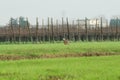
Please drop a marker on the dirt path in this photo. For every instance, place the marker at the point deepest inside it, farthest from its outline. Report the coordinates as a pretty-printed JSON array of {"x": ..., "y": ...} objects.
[{"x": 19, "y": 57}]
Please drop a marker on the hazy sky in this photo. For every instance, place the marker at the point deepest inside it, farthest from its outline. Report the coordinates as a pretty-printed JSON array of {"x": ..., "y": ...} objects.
[{"x": 57, "y": 8}]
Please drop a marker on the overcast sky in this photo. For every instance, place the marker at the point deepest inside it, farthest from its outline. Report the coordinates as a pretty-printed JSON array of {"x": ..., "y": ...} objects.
[{"x": 57, "y": 8}]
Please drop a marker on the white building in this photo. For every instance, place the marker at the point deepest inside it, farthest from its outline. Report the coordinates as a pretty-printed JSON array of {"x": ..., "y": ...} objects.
[{"x": 96, "y": 22}]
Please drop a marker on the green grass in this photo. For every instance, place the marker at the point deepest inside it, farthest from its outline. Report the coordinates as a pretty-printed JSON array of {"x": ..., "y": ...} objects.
[
  {"x": 84, "y": 68},
  {"x": 60, "y": 48}
]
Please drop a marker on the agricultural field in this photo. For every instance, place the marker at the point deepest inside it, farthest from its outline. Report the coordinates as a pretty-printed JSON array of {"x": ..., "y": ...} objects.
[
  {"x": 56, "y": 61},
  {"x": 59, "y": 49},
  {"x": 83, "y": 68}
]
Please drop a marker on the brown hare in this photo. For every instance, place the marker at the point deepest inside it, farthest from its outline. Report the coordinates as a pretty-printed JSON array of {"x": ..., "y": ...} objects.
[{"x": 65, "y": 41}]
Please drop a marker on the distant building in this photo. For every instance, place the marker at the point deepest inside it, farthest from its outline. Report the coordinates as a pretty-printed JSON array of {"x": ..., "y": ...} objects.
[
  {"x": 92, "y": 23},
  {"x": 22, "y": 22},
  {"x": 81, "y": 23},
  {"x": 13, "y": 21},
  {"x": 114, "y": 22},
  {"x": 96, "y": 22}
]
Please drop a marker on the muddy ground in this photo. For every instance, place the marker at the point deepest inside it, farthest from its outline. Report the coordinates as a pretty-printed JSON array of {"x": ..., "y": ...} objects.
[{"x": 19, "y": 57}]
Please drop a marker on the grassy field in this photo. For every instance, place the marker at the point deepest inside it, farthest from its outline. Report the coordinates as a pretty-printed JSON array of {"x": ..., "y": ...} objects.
[
  {"x": 71, "y": 68},
  {"x": 60, "y": 48},
  {"x": 83, "y": 68}
]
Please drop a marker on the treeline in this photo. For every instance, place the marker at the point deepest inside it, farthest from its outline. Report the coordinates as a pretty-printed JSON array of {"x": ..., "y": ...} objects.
[{"x": 56, "y": 30}]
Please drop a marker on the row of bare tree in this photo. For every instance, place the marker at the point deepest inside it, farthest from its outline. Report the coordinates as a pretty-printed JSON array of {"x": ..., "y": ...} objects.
[{"x": 56, "y": 31}]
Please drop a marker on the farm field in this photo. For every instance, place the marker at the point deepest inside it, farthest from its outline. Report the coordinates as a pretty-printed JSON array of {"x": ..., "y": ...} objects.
[
  {"x": 48, "y": 61},
  {"x": 82, "y": 68},
  {"x": 58, "y": 49}
]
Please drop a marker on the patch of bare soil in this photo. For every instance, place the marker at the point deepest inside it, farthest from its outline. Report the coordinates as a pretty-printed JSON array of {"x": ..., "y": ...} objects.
[
  {"x": 56, "y": 77},
  {"x": 19, "y": 57}
]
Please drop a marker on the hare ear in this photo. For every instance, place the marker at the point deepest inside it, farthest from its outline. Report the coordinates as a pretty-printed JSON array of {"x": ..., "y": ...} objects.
[{"x": 63, "y": 38}]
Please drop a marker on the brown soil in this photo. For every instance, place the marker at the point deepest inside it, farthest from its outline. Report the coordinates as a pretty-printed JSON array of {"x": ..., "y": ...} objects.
[
  {"x": 19, "y": 57},
  {"x": 56, "y": 77}
]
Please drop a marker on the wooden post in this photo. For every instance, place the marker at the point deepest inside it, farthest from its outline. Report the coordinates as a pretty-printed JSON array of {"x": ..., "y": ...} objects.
[
  {"x": 68, "y": 30},
  {"x": 6, "y": 34},
  {"x": 12, "y": 31},
  {"x": 37, "y": 24},
  {"x": 46, "y": 33},
  {"x": 43, "y": 30},
  {"x": 73, "y": 30},
  {"x": 86, "y": 29},
  {"x": 117, "y": 28},
  {"x": 29, "y": 31},
  {"x": 19, "y": 33},
  {"x": 112, "y": 31},
  {"x": 58, "y": 32},
  {"x": 96, "y": 26},
  {"x": 101, "y": 28},
  {"x": 108, "y": 30},
  {"x": 48, "y": 30},
  {"x": 63, "y": 27},
  {"x": 52, "y": 26},
  {"x": 78, "y": 30}
]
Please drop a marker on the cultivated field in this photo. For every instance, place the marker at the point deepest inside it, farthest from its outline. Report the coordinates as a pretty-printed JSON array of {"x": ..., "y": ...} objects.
[
  {"x": 57, "y": 61},
  {"x": 58, "y": 49},
  {"x": 84, "y": 68}
]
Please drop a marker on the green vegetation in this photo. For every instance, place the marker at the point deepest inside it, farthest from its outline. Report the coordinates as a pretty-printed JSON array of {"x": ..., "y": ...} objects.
[
  {"x": 84, "y": 68},
  {"x": 60, "y": 48}
]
